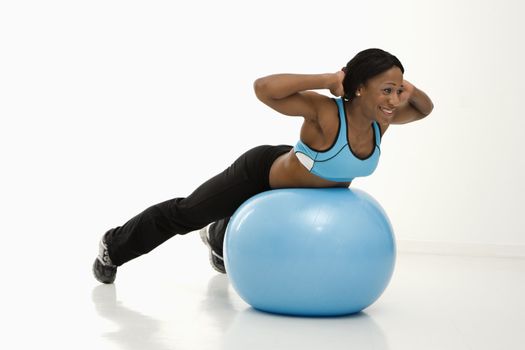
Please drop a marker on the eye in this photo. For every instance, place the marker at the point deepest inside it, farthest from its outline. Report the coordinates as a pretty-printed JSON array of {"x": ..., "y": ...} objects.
[
  {"x": 399, "y": 92},
  {"x": 387, "y": 90}
]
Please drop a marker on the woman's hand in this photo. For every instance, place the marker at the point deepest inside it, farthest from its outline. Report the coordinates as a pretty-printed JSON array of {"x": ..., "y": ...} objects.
[
  {"x": 408, "y": 90},
  {"x": 414, "y": 105},
  {"x": 336, "y": 88}
]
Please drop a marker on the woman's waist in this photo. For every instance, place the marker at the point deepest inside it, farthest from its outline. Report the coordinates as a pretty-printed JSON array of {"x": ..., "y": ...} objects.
[{"x": 287, "y": 171}]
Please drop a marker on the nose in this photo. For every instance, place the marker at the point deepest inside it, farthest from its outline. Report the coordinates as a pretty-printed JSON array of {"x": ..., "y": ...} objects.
[{"x": 393, "y": 100}]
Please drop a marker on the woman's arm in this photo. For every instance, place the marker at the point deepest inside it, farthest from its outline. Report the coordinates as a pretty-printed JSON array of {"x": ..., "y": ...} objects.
[
  {"x": 417, "y": 105},
  {"x": 291, "y": 94}
]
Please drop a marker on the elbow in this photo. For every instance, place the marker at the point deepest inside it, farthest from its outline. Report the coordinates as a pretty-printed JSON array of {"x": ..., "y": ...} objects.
[
  {"x": 429, "y": 109},
  {"x": 426, "y": 109},
  {"x": 260, "y": 87}
]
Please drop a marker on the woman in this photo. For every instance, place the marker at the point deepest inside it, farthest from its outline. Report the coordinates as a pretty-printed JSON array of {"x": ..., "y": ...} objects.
[{"x": 340, "y": 140}]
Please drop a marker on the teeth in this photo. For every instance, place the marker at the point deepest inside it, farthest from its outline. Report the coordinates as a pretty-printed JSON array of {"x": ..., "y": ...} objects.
[{"x": 388, "y": 111}]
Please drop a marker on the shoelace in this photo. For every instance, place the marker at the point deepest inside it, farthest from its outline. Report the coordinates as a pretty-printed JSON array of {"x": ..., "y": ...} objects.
[{"x": 103, "y": 254}]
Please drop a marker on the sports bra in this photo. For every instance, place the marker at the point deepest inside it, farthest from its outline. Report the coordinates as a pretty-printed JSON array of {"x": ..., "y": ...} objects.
[{"x": 339, "y": 163}]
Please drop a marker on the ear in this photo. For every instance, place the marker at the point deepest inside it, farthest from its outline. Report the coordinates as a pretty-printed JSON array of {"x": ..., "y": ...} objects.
[{"x": 359, "y": 90}]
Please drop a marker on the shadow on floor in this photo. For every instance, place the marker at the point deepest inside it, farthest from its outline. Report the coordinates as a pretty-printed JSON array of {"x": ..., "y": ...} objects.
[{"x": 244, "y": 329}]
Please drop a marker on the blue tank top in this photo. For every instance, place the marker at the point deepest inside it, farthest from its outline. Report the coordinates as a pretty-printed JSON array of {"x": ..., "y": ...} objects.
[{"x": 339, "y": 163}]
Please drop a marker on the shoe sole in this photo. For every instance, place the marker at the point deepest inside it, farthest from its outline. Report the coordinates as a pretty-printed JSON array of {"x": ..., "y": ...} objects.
[{"x": 94, "y": 270}]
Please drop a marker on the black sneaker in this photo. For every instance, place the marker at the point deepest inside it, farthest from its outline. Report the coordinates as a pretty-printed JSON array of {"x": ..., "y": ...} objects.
[
  {"x": 103, "y": 268},
  {"x": 216, "y": 261}
]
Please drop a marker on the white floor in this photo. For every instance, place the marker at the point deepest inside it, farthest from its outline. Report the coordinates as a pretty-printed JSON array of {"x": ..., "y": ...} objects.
[{"x": 172, "y": 299}]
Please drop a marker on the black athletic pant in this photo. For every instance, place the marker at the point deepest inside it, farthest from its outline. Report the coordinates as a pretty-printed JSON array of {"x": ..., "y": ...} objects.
[{"x": 215, "y": 200}]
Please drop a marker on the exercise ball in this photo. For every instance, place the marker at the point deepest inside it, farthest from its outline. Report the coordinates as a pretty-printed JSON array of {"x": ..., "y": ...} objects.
[{"x": 310, "y": 252}]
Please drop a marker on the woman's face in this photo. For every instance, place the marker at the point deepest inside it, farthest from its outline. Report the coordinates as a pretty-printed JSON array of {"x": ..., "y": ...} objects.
[{"x": 381, "y": 95}]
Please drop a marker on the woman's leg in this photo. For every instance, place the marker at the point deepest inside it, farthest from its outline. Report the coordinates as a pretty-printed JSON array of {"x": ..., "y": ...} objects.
[
  {"x": 215, "y": 199},
  {"x": 260, "y": 166}
]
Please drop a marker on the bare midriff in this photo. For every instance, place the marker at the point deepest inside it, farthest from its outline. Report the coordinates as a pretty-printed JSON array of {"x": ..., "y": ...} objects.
[{"x": 287, "y": 171}]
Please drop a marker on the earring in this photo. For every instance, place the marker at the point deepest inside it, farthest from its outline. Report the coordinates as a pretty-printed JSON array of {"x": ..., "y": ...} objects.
[{"x": 358, "y": 94}]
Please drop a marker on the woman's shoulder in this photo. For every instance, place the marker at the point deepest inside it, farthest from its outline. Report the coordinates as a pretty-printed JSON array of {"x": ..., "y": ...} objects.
[
  {"x": 321, "y": 100},
  {"x": 328, "y": 122},
  {"x": 328, "y": 110}
]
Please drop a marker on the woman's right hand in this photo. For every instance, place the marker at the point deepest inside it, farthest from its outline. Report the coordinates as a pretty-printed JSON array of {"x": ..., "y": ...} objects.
[{"x": 336, "y": 88}]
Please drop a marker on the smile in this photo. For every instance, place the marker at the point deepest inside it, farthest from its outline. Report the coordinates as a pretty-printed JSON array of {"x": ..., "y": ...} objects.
[{"x": 388, "y": 112}]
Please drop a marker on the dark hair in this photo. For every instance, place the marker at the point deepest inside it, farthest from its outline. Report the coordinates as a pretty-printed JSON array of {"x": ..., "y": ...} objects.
[{"x": 365, "y": 65}]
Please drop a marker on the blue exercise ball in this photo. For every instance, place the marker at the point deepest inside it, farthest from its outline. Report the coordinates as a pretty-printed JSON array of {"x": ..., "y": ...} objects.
[{"x": 310, "y": 252}]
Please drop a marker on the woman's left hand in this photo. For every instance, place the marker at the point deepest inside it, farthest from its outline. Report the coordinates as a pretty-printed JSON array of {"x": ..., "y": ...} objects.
[{"x": 408, "y": 90}]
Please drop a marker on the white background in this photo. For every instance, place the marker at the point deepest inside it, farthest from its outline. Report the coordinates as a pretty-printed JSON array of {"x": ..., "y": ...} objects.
[{"x": 108, "y": 107}]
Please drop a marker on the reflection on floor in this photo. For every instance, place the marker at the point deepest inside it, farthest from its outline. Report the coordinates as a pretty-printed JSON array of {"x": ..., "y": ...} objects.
[{"x": 172, "y": 299}]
